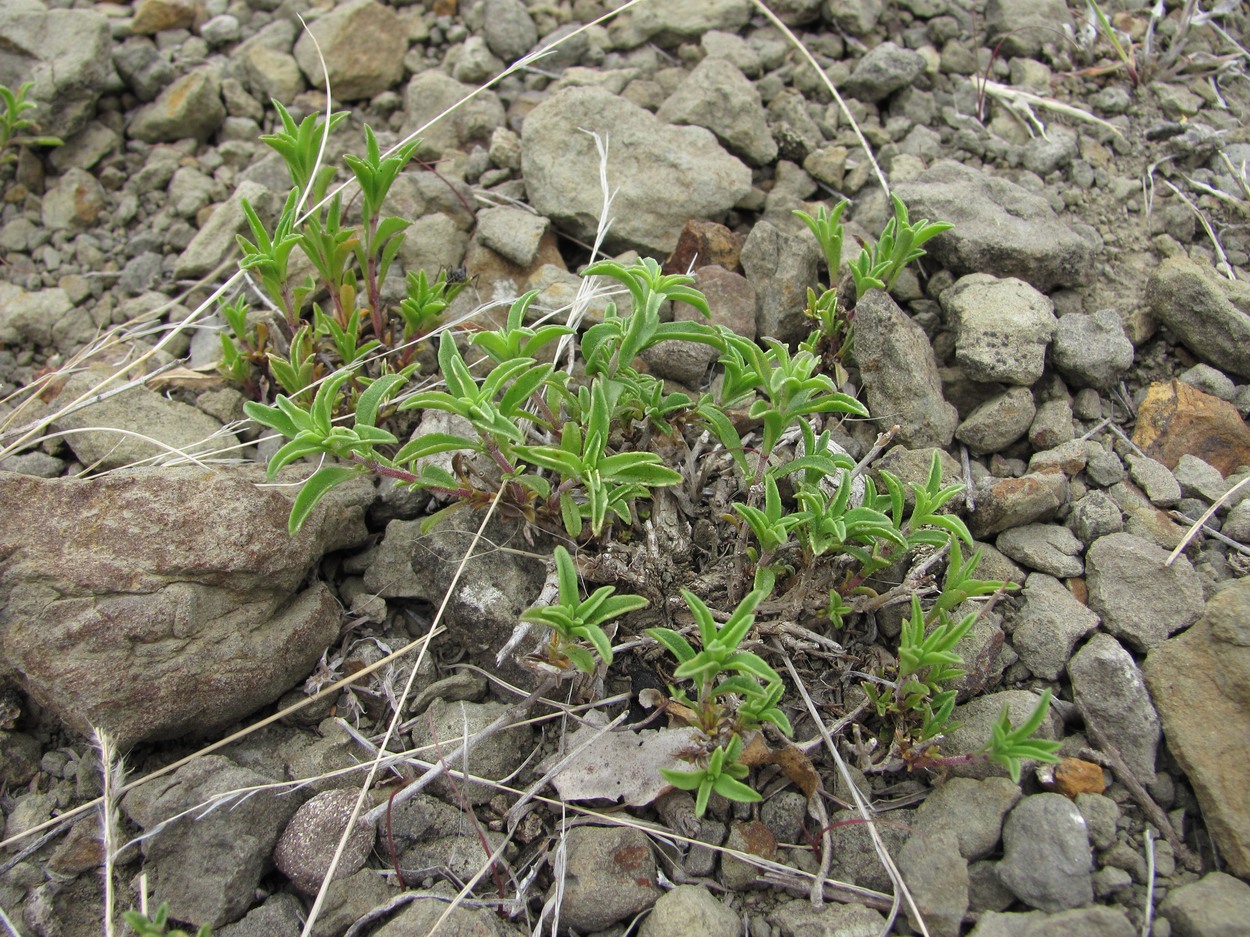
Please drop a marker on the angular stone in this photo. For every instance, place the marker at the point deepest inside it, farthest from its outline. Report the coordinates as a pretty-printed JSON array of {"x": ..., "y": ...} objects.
[
  {"x": 780, "y": 268},
  {"x": 900, "y": 374},
  {"x": 1002, "y": 328},
  {"x": 998, "y": 422},
  {"x": 1000, "y": 228},
  {"x": 1200, "y": 684},
  {"x": 363, "y": 44},
  {"x": 158, "y": 603},
  {"x": 67, "y": 54},
  {"x": 1109, "y": 688},
  {"x": 1216, "y": 906},
  {"x": 1047, "y": 861},
  {"x": 1140, "y": 598},
  {"x": 190, "y": 107},
  {"x": 663, "y": 175},
  {"x": 207, "y": 865},
  {"x": 1208, "y": 312},
  {"x": 1002, "y": 503},
  {"x": 1048, "y": 626},
  {"x": 716, "y": 95},
  {"x": 669, "y": 24}
]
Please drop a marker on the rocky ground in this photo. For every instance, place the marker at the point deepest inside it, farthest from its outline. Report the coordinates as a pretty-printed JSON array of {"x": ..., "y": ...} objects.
[{"x": 1077, "y": 348}]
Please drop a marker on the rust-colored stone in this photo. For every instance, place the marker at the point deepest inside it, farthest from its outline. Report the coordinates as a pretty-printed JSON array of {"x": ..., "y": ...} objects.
[
  {"x": 1176, "y": 418},
  {"x": 702, "y": 243},
  {"x": 1074, "y": 776}
]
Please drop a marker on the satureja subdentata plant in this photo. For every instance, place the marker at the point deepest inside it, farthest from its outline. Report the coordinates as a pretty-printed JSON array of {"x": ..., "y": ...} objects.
[{"x": 572, "y": 451}]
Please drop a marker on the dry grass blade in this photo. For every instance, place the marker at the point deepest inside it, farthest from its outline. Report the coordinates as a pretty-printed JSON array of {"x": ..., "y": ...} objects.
[
  {"x": 1206, "y": 516},
  {"x": 1015, "y": 97},
  {"x": 112, "y": 776}
]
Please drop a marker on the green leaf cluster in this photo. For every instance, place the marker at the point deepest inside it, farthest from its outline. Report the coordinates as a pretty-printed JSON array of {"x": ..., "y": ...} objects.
[
  {"x": 158, "y": 924},
  {"x": 12, "y": 123},
  {"x": 735, "y": 692},
  {"x": 574, "y": 623}
]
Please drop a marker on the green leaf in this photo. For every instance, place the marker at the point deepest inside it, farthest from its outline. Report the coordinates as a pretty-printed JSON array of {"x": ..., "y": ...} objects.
[
  {"x": 727, "y": 787},
  {"x": 676, "y": 645},
  {"x": 314, "y": 490},
  {"x": 431, "y": 443},
  {"x": 367, "y": 403}
]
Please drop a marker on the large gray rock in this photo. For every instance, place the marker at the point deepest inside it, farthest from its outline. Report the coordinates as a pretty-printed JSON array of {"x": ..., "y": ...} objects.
[
  {"x": 691, "y": 909},
  {"x": 1002, "y": 328},
  {"x": 663, "y": 175},
  {"x": 885, "y": 69},
  {"x": 66, "y": 53},
  {"x": 1000, "y": 228},
  {"x": 716, "y": 95},
  {"x": 190, "y": 107},
  {"x": 610, "y": 877},
  {"x": 1209, "y": 313},
  {"x": 1110, "y": 689},
  {"x": 363, "y": 44},
  {"x": 998, "y": 422},
  {"x": 509, "y": 29},
  {"x": 208, "y": 865},
  {"x": 1047, "y": 861},
  {"x": 1216, "y": 906},
  {"x": 1141, "y": 599},
  {"x": 900, "y": 374},
  {"x": 1098, "y": 921},
  {"x": 1022, "y": 26},
  {"x": 1200, "y": 684},
  {"x": 972, "y": 810},
  {"x": 423, "y": 917},
  {"x": 158, "y": 603},
  {"x": 937, "y": 876}
]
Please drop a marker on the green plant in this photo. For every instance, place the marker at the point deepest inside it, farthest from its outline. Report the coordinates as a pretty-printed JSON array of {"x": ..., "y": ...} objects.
[
  {"x": 877, "y": 267},
  {"x": 158, "y": 924},
  {"x": 1009, "y": 746},
  {"x": 578, "y": 453},
  {"x": 573, "y": 622},
  {"x": 12, "y": 123},
  {"x": 736, "y": 692}
]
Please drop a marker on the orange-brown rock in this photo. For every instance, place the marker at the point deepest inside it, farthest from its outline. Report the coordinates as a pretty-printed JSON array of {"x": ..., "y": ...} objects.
[
  {"x": 1074, "y": 776},
  {"x": 1176, "y": 418},
  {"x": 702, "y": 243}
]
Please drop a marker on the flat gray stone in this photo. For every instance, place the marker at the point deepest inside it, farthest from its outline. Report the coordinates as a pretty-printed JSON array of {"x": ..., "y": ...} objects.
[
  {"x": 1048, "y": 548},
  {"x": 663, "y": 175},
  {"x": 1140, "y": 599},
  {"x": 1000, "y": 228}
]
